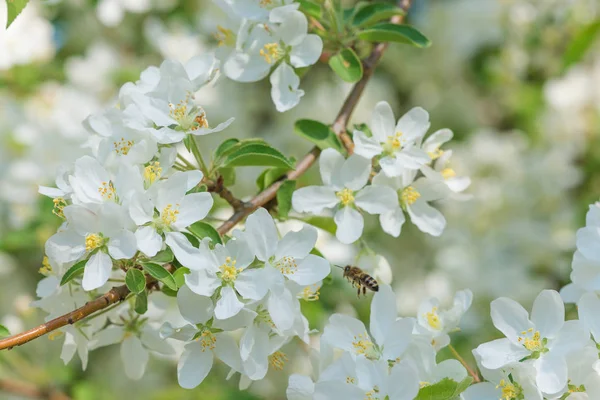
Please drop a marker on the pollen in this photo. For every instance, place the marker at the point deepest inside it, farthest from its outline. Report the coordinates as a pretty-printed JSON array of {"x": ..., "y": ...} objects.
[
  {"x": 395, "y": 142},
  {"x": 310, "y": 293},
  {"x": 409, "y": 195},
  {"x": 59, "y": 206},
  {"x": 362, "y": 344},
  {"x": 346, "y": 196},
  {"x": 278, "y": 360},
  {"x": 224, "y": 37},
  {"x": 93, "y": 241},
  {"x": 107, "y": 191},
  {"x": 435, "y": 154},
  {"x": 229, "y": 272},
  {"x": 207, "y": 340},
  {"x": 152, "y": 172},
  {"x": 169, "y": 214},
  {"x": 509, "y": 391},
  {"x": 123, "y": 146},
  {"x": 448, "y": 173},
  {"x": 46, "y": 268},
  {"x": 350, "y": 380},
  {"x": 200, "y": 121},
  {"x": 287, "y": 265},
  {"x": 531, "y": 340},
  {"x": 433, "y": 319},
  {"x": 372, "y": 394},
  {"x": 271, "y": 52}
]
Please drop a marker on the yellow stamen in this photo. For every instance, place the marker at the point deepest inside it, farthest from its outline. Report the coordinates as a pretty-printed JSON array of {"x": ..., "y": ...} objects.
[
  {"x": 448, "y": 173},
  {"x": 509, "y": 391},
  {"x": 435, "y": 154},
  {"x": 395, "y": 142},
  {"x": 229, "y": 272},
  {"x": 207, "y": 340},
  {"x": 409, "y": 195},
  {"x": 178, "y": 112},
  {"x": 271, "y": 52},
  {"x": 310, "y": 293},
  {"x": 372, "y": 394},
  {"x": 123, "y": 146},
  {"x": 107, "y": 190},
  {"x": 346, "y": 196},
  {"x": 59, "y": 206},
  {"x": 278, "y": 360},
  {"x": 46, "y": 267},
  {"x": 200, "y": 122},
  {"x": 362, "y": 344},
  {"x": 93, "y": 241},
  {"x": 169, "y": 214},
  {"x": 433, "y": 319},
  {"x": 287, "y": 265},
  {"x": 224, "y": 36},
  {"x": 531, "y": 340},
  {"x": 152, "y": 172},
  {"x": 350, "y": 380}
]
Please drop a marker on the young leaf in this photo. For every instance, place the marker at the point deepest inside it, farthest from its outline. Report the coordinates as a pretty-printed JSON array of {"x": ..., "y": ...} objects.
[
  {"x": 4, "y": 331},
  {"x": 325, "y": 223},
  {"x": 135, "y": 280},
  {"x": 375, "y": 12},
  {"x": 269, "y": 176},
  {"x": 388, "y": 32},
  {"x": 179, "y": 276},
  {"x": 347, "y": 65},
  {"x": 164, "y": 256},
  {"x": 228, "y": 175},
  {"x": 73, "y": 272},
  {"x": 256, "y": 154},
  {"x": 202, "y": 229},
  {"x": 446, "y": 389},
  {"x": 311, "y": 8},
  {"x": 284, "y": 198},
  {"x": 14, "y": 8},
  {"x": 169, "y": 292},
  {"x": 582, "y": 41},
  {"x": 318, "y": 133},
  {"x": 226, "y": 145},
  {"x": 160, "y": 274},
  {"x": 141, "y": 303}
]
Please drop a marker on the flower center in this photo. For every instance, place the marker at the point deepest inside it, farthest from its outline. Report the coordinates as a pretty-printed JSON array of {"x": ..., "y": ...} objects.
[
  {"x": 409, "y": 195},
  {"x": 350, "y": 380},
  {"x": 310, "y": 293},
  {"x": 271, "y": 52},
  {"x": 207, "y": 340},
  {"x": 107, "y": 191},
  {"x": 264, "y": 316},
  {"x": 224, "y": 37},
  {"x": 372, "y": 394},
  {"x": 169, "y": 214},
  {"x": 448, "y": 173},
  {"x": 531, "y": 340},
  {"x": 287, "y": 265},
  {"x": 152, "y": 172},
  {"x": 395, "y": 142},
  {"x": 200, "y": 121},
  {"x": 362, "y": 344},
  {"x": 123, "y": 146},
  {"x": 46, "y": 267},
  {"x": 228, "y": 270},
  {"x": 433, "y": 319},
  {"x": 59, "y": 206},
  {"x": 278, "y": 360},
  {"x": 93, "y": 241},
  {"x": 435, "y": 154},
  {"x": 346, "y": 196},
  {"x": 509, "y": 391},
  {"x": 178, "y": 112}
]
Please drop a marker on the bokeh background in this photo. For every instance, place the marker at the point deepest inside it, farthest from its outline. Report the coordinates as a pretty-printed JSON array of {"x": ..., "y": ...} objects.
[{"x": 517, "y": 81}]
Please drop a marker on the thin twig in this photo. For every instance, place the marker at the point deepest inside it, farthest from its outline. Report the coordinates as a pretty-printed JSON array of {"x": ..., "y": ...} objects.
[
  {"x": 339, "y": 127},
  {"x": 219, "y": 188},
  {"x": 473, "y": 373},
  {"x": 24, "y": 389}
]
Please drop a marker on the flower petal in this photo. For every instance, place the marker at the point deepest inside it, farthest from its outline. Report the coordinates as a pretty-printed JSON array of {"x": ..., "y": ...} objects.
[
  {"x": 376, "y": 199},
  {"x": 383, "y": 313},
  {"x": 97, "y": 271},
  {"x": 310, "y": 270},
  {"x": 392, "y": 221},
  {"x": 355, "y": 172},
  {"x": 193, "y": 208},
  {"x": 314, "y": 199},
  {"x": 306, "y": 53},
  {"x": 551, "y": 373},
  {"x": 134, "y": 357},
  {"x": 228, "y": 305},
  {"x": 498, "y": 353},
  {"x": 403, "y": 382},
  {"x": 122, "y": 245},
  {"x": 341, "y": 332},
  {"x": 297, "y": 244},
  {"x": 194, "y": 365},
  {"x": 367, "y": 147},
  {"x": 284, "y": 88},
  {"x": 330, "y": 165},
  {"x": 194, "y": 308},
  {"x": 202, "y": 282},
  {"x": 350, "y": 225},
  {"x": 548, "y": 313},
  {"x": 261, "y": 234},
  {"x": 148, "y": 240},
  {"x": 426, "y": 218},
  {"x": 382, "y": 121},
  {"x": 510, "y": 318},
  {"x": 414, "y": 123}
]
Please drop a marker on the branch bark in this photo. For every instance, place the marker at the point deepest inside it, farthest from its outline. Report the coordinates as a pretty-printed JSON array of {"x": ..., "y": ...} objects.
[
  {"x": 243, "y": 210},
  {"x": 24, "y": 389}
]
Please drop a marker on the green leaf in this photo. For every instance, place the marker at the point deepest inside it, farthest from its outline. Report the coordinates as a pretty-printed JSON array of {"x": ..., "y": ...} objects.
[
  {"x": 581, "y": 43},
  {"x": 160, "y": 274},
  {"x": 325, "y": 223},
  {"x": 135, "y": 280},
  {"x": 284, "y": 198},
  {"x": 223, "y": 147},
  {"x": 316, "y": 252},
  {"x": 387, "y": 32},
  {"x": 318, "y": 133},
  {"x": 164, "y": 256},
  {"x": 192, "y": 239},
  {"x": 269, "y": 176},
  {"x": 179, "y": 276},
  {"x": 141, "y": 303},
  {"x": 375, "y": 12},
  {"x": 228, "y": 175},
  {"x": 311, "y": 8},
  {"x": 446, "y": 389},
  {"x": 73, "y": 272},
  {"x": 202, "y": 229},
  {"x": 255, "y": 154},
  {"x": 14, "y": 8},
  {"x": 169, "y": 292},
  {"x": 347, "y": 65},
  {"x": 4, "y": 331}
]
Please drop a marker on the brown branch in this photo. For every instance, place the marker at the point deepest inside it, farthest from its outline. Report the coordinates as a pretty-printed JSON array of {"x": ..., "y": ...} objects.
[
  {"x": 24, "y": 389},
  {"x": 339, "y": 127},
  {"x": 219, "y": 188}
]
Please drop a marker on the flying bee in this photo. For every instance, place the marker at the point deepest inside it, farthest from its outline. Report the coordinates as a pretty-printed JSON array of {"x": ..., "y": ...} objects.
[{"x": 360, "y": 279}]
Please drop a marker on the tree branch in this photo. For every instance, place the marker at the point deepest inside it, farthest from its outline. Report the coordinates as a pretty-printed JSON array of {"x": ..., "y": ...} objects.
[
  {"x": 219, "y": 188},
  {"x": 339, "y": 127},
  {"x": 24, "y": 389}
]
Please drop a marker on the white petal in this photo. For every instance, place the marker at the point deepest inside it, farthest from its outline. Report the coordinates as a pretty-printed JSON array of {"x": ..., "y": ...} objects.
[
  {"x": 228, "y": 351},
  {"x": 377, "y": 199},
  {"x": 228, "y": 305},
  {"x": 350, "y": 225},
  {"x": 306, "y": 53},
  {"x": 261, "y": 234},
  {"x": 330, "y": 166},
  {"x": 148, "y": 240},
  {"x": 571, "y": 338},
  {"x": 193, "y": 208},
  {"x": 510, "y": 318},
  {"x": 300, "y": 387},
  {"x": 311, "y": 270},
  {"x": 250, "y": 284},
  {"x": 367, "y": 147},
  {"x": 382, "y": 121},
  {"x": 152, "y": 341},
  {"x": 134, "y": 357},
  {"x": 587, "y": 242},
  {"x": 97, "y": 271},
  {"x": 403, "y": 382},
  {"x": 551, "y": 373},
  {"x": 194, "y": 365},
  {"x": 397, "y": 338},
  {"x": 293, "y": 28},
  {"x": 297, "y": 244},
  {"x": 414, "y": 123},
  {"x": 450, "y": 368},
  {"x": 498, "y": 353},
  {"x": 482, "y": 391},
  {"x": 141, "y": 208},
  {"x": 341, "y": 331},
  {"x": 281, "y": 309},
  {"x": 242, "y": 67},
  {"x": 202, "y": 282},
  {"x": 106, "y": 337},
  {"x": 588, "y": 307},
  {"x": 548, "y": 313},
  {"x": 436, "y": 139},
  {"x": 123, "y": 245},
  {"x": 188, "y": 255},
  {"x": 314, "y": 199},
  {"x": 428, "y": 219},
  {"x": 392, "y": 221},
  {"x": 254, "y": 351},
  {"x": 355, "y": 172},
  {"x": 65, "y": 247},
  {"x": 194, "y": 308},
  {"x": 337, "y": 390},
  {"x": 383, "y": 313},
  {"x": 284, "y": 88}
]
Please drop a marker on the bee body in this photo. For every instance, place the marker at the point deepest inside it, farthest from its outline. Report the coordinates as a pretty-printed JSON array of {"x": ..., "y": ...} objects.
[{"x": 360, "y": 279}]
